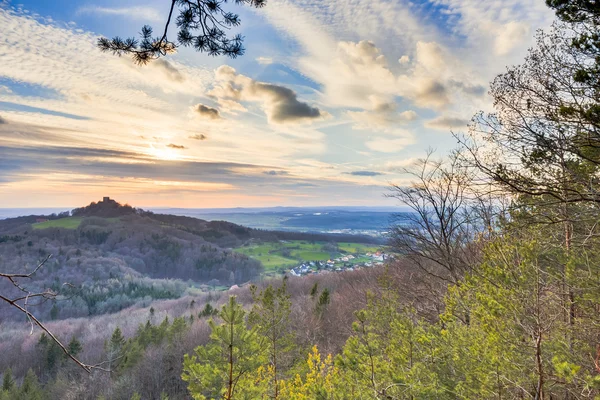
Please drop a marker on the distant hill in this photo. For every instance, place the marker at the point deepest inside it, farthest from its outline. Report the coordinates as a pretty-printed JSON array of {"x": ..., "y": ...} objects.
[
  {"x": 106, "y": 208},
  {"x": 115, "y": 255}
]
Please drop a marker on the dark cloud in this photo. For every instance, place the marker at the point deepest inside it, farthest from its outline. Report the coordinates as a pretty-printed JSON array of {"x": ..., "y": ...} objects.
[
  {"x": 473, "y": 90},
  {"x": 7, "y": 105},
  {"x": 168, "y": 69},
  {"x": 275, "y": 173},
  {"x": 363, "y": 173},
  {"x": 445, "y": 123},
  {"x": 284, "y": 104},
  {"x": 176, "y": 146},
  {"x": 207, "y": 112},
  {"x": 24, "y": 161},
  {"x": 433, "y": 93},
  {"x": 199, "y": 136},
  {"x": 280, "y": 103},
  {"x": 2, "y": 120}
]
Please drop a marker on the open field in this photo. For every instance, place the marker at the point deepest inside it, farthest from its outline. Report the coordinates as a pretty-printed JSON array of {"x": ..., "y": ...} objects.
[
  {"x": 67, "y": 223},
  {"x": 357, "y": 248},
  {"x": 277, "y": 255}
]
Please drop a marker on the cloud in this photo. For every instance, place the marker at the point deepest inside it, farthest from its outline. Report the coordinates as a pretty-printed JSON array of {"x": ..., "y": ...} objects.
[
  {"x": 404, "y": 59},
  {"x": 114, "y": 163},
  {"x": 431, "y": 93},
  {"x": 510, "y": 36},
  {"x": 364, "y": 173},
  {"x": 281, "y": 104},
  {"x": 264, "y": 60},
  {"x": 357, "y": 72},
  {"x": 385, "y": 145},
  {"x": 468, "y": 88},
  {"x": 206, "y": 111},
  {"x": 198, "y": 136},
  {"x": 137, "y": 13},
  {"x": 169, "y": 71},
  {"x": 176, "y": 146},
  {"x": 2, "y": 120},
  {"x": 381, "y": 116},
  {"x": 400, "y": 165},
  {"x": 447, "y": 122},
  {"x": 231, "y": 107},
  {"x": 275, "y": 173}
]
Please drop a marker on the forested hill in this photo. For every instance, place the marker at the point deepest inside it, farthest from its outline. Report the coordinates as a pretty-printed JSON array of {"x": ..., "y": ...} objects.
[{"x": 113, "y": 256}]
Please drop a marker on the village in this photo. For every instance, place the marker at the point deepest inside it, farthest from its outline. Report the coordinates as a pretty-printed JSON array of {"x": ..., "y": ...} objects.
[{"x": 340, "y": 264}]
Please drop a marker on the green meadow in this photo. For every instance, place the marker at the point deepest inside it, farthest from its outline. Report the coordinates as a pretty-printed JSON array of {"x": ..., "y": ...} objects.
[
  {"x": 67, "y": 223},
  {"x": 276, "y": 256}
]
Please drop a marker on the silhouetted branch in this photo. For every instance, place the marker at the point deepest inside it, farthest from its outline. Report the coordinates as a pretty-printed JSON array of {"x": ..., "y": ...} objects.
[
  {"x": 206, "y": 17},
  {"x": 33, "y": 320}
]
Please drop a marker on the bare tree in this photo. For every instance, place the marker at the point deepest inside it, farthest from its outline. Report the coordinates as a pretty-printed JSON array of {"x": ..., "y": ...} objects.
[
  {"x": 202, "y": 25},
  {"x": 448, "y": 220}
]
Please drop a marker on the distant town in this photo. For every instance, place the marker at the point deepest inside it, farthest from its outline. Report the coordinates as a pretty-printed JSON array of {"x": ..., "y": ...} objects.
[{"x": 344, "y": 263}]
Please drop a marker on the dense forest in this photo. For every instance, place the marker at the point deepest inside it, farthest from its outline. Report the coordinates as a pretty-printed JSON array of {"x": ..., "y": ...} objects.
[{"x": 494, "y": 293}]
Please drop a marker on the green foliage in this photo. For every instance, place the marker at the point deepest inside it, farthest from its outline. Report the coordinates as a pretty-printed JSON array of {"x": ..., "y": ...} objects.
[
  {"x": 208, "y": 311},
  {"x": 53, "y": 357},
  {"x": 221, "y": 368},
  {"x": 65, "y": 223},
  {"x": 30, "y": 389},
  {"x": 392, "y": 353},
  {"x": 8, "y": 382},
  {"x": 74, "y": 347},
  {"x": 270, "y": 315},
  {"x": 323, "y": 301}
]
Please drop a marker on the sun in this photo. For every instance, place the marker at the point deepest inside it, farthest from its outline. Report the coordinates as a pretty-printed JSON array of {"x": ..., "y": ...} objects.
[{"x": 164, "y": 153}]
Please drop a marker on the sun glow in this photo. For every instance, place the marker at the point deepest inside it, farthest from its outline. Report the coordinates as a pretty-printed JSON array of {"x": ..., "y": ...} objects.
[{"x": 164, "y": 153}]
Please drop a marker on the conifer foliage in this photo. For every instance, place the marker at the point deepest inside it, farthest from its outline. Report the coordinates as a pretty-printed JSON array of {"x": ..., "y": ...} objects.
[{"x": 202, "y": 25}]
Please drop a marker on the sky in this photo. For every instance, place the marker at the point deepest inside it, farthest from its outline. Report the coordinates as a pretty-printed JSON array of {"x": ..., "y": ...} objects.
[{"x": 332, "y": 100}]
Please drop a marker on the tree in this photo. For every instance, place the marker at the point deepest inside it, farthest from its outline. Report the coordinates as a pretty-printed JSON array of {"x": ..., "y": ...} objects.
[
  {"x": 74, "y": 346},
  {"x": 30, "y": 389},
  {"x": 318, "y": 382},
  {"x": 583, "y": 19},
  {"x": 576, "y": 10},
  {"x": 202, "y": 25},
  {"x": 220, "y": 369},
  {"x": 391, "y": 355},
  {"x": 8, "y": 382},
  {"x": 543, "y": 140},
  {"x": 271, "y": 316},
  {"x": 448, "y": 217},
  {"x": 542, "y": 145},
  {"x": 115, "y": 350}
]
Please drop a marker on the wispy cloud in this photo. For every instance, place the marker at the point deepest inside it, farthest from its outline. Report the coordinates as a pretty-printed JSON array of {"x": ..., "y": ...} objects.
[
  {"x": 351, "y": 103},
  {"x": 136, "y": 13},
  {"x": 444, "y": 122},
  {"x": 364, "y": 173}
]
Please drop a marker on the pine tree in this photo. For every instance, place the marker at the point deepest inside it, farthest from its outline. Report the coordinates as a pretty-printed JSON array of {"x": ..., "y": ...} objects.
[
  {"x": 115, "y": 349},
  {"x": 319, "y": 382},
  {"x": 8, "y": 382},
  {"x": 221, "y": 368},
  {"x": 74, "y": 347},
  {"x": 30, "y": 389},
  {"x": 271, "y": 316}
]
